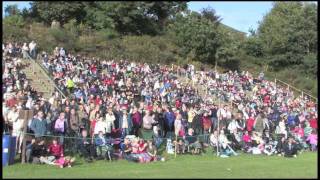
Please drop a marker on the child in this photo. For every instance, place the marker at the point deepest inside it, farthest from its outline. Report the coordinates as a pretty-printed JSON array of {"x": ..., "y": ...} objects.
[
  {"x": 152, "y": 151},
  {"x": 100, "y": 142},
  {"x": 64, "y": 161},
  {"x": 246, "y": 138},
  {"x": 180, "y": 147},
  {"x": 144, "y": 156},
  {"x": 313, "y": 140}
]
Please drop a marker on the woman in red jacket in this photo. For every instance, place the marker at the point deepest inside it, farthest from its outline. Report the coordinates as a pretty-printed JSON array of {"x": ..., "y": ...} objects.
[
  {"x": 313, "y": 122},
  {"x": 206, "y": 123},
  {"x": 55, "y": 149},
  {"x": 250, "y": 123}
]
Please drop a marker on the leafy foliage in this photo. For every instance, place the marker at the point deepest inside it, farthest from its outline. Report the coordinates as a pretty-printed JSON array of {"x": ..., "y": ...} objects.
[
  {"x": 11, "y": 10},
  {"x": 61, "y": 11},
  {"x": 286, "y": 34},
  {"x": 196, "y": 35}
]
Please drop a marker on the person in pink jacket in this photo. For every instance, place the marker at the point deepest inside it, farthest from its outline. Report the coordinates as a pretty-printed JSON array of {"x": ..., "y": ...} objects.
[
  {"x": 313, "y": 140},
  {"x": 64, "y": 161}
]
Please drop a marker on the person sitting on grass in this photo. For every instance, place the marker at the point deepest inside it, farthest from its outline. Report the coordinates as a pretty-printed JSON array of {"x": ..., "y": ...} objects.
[
  {"x": 214, "y": 140},
  {"x": 103, "y": 147},
  {"x": 39, "y": 151},
  {"x": 135, "y": 155},
  {"x": 180, "y": 146},
  {"x": 144, "y": 156},
  {"x": 246, "y": 141},
  {"x": 152, "y": 151},
  {"x": 257, "y": 143},
  {"x": 64, "y": 161},
  {"x": 224, "y": 144},
  {"x": 126, "y": 149},
  {"x": 55, "y": 151},
  {"x": 290, "y": 148},
  {"x": 192, "y": 142},
  {"x": 281, "y": 145},
  {"x": 85, "y": 147}
]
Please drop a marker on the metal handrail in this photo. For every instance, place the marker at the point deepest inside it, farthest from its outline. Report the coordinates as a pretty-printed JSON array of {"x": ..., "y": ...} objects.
[
  {"x": 49, "y": 77},
  {"x": 303, "y": 92}
]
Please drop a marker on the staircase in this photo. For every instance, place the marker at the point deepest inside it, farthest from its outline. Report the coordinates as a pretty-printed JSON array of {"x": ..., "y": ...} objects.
[
  {"x": 200, "y": 88},
  {"x": 37, "y": 78}
]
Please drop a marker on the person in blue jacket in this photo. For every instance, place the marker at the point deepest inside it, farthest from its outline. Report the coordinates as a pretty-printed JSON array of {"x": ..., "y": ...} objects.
[{"x": 169, "y": 117}]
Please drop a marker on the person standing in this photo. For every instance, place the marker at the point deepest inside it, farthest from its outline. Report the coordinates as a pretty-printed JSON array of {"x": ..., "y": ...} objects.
[
  {"x": 169, "y": 122},
  {"x": 39, "y": 125},
  {"x": 25, "y": 51},
  {"x": 136, "y": 121},
  {"x": 125, "y": 123},
  {"x": 147, "y": 125},
  {"x": 159, "y": 119},
  {"x": 32, "y": 49},
  {"x": 60, "y": 126},
  {"x": 110, "y": 118}
]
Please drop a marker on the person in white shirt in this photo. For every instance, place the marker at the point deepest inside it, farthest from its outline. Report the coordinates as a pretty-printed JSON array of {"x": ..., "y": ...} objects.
[
  {"x": 17, "y": 127},
  {"x": 12, "y": 115},
  {"x": 25, "y": 51},
  {"x": 110, "y": 118},
  {"x": 233, "y": 125},
  {"x": 100, "y": 125},
  {"x": 214, "y": 139},
  {"x": 62, "y": 52},
  {"x": 32, "y": 49}
]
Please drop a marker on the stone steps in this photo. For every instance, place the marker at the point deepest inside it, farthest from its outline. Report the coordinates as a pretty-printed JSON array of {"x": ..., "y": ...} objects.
[{"x": 37, "y": 78}]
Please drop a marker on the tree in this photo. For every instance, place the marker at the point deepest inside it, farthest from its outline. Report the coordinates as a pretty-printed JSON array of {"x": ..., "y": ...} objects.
[
  {"x": 286, "y": 34},
  {"x": 11, "y": 10},
  {"x": 162, "y": 11},
  {"x": 196, "y": 34},
  {"x": 61, "y": 11},
  {"x": 13, "y": 28},
  {"x": 135, "y": 18},
  {"x": 210, "y": 13}
]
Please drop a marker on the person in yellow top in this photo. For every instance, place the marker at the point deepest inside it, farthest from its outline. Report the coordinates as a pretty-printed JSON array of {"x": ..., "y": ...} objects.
[
  {"x": 255, "y": 89},
  {"x": 191, "y": 115},
  {"x": 70, "y": 85}
]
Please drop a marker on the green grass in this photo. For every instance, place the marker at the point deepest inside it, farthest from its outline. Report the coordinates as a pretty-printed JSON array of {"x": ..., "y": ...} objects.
[{"x": 184, "y": 166}]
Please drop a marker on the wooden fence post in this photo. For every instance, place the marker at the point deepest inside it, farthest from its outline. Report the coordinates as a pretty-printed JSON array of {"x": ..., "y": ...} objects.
[
  {"x": 26, "y": 114},
  {"x": 175, "y": 147}
]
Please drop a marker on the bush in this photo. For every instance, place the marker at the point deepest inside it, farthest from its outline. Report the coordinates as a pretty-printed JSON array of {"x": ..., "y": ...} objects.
[
  {"x": 14, "y": 29},
  {"x": 40, "y": 34}
]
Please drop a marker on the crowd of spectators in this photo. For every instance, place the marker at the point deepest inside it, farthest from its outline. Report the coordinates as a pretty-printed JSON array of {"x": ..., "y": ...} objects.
[{"x": 109, "y": 99}]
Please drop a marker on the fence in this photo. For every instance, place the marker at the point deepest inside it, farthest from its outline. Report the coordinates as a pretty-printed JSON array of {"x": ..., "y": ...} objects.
[
  {"x": 296, "y": 91},
  {"x": 70, "y": 141}
]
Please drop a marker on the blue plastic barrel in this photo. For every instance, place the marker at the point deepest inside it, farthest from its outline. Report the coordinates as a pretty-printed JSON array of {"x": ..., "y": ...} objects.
[
  {"x": 12, "y": 149},
  {"x": 5, "y": 149}
]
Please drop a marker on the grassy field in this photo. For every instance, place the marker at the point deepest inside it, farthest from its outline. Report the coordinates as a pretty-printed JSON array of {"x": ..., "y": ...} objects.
[{"x": 184, "y": 166}]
